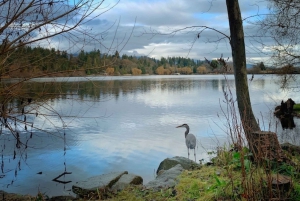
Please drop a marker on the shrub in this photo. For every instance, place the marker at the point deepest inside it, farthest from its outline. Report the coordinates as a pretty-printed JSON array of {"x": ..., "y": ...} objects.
[
  {"x": 110, "y": 71},
  {"x": 136, "y": 71}
]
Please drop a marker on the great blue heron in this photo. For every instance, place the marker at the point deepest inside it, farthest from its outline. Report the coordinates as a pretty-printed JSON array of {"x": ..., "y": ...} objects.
[{"x": 190, "y": 140}]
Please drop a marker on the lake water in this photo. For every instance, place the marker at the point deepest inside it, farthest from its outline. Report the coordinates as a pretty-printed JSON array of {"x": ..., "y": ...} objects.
[{"x": 128, "y": 123}]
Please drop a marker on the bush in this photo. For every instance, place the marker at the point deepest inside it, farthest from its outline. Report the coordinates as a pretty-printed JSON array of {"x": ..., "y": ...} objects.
[
  {"x": 110, "y": 71},
  {"x": 201, "y": 70},
  {"x": 136, "y": 71}
]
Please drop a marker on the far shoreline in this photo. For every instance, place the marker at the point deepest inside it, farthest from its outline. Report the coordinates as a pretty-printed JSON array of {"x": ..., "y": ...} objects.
[{"x": 61, "y": 75}]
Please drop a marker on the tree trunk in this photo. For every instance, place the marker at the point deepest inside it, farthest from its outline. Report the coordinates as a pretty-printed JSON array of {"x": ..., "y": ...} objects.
[{"x": 239, "y": 63}]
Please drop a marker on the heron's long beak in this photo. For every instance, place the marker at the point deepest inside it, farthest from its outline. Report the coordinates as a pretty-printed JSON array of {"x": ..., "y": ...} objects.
[{"x": 178, "y": 126}]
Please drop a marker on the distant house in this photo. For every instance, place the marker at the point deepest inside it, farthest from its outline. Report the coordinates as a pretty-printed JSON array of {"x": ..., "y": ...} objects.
[{"x": 176, "y": 73}]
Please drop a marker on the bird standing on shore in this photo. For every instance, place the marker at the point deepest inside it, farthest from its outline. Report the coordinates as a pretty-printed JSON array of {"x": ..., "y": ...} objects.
[{"x": 190, "y": 140}]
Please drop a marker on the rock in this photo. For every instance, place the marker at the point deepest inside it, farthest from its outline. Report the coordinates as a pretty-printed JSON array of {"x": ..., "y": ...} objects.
[
  {"x": 168, "y": 163},
  {"x": 167, "y": 179},
  {"x": 126, "y": 180},
  {"x": 97, "y": 183}
]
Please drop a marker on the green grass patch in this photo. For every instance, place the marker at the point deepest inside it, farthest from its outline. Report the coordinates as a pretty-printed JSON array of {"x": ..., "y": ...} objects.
[
  {"x": 225, "y": 180},
  {"x": 297, "y": 107}
]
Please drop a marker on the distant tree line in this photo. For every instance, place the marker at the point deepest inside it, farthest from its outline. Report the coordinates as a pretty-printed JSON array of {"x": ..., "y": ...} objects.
[
  {"x": 260, "y": 68},
  {"x": 27, "y": 61}
]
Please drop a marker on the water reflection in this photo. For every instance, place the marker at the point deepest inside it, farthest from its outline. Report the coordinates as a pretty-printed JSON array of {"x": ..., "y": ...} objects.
[
  {"x": 97, "y": 89},
  {"x": 259, "y": 83},
  {"x": 287, "y": 122},
  {"x": 122, "y": 123}
]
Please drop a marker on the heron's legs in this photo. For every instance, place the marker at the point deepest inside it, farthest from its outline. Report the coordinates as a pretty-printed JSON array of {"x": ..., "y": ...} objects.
[
  {"x": 195, "y": 154},
  {"x": 188, "y": 153}
]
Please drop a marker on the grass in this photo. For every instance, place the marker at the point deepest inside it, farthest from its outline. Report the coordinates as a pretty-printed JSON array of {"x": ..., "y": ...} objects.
[
  {"x": 232, "y": 177},
  {"x": 200, "y": 184},
  {"x": 297, "y": 107}
]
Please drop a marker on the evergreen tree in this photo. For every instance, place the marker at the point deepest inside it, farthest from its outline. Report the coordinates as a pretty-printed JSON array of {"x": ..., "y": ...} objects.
[{"x": 262, "y": 66}]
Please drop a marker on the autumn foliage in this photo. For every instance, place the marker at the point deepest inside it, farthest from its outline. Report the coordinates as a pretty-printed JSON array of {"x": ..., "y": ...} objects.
[
  {"x": 185, "y": 70},
  {"x": 201, "y": 70},
  {"x": 136, "y": 71},
  {"x": 110, "y": 71},
  {"x": 171, "y": 70}
]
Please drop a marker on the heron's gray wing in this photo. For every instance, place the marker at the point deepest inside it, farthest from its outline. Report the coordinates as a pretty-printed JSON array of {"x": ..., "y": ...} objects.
[{"x": 190, "y": 141}]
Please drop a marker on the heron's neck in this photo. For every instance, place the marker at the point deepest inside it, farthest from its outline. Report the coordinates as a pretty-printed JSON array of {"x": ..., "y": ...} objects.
[{"x": 187, "y": 131}]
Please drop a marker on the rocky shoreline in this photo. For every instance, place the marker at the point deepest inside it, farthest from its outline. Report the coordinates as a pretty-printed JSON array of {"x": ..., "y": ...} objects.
[
  {"x": 103, "y": 186},
  {"x": 113, "y": 184}
]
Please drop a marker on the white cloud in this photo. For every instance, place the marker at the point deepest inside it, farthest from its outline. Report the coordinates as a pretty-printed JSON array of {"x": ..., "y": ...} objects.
[{"x": 166, "y": 16}]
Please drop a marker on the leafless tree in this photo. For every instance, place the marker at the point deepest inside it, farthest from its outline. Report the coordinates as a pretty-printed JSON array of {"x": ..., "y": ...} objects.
[
  {"x": 36, "y": 23},
  {"x": 282, "y": 24},
  {"x": 25, "y": 22}
]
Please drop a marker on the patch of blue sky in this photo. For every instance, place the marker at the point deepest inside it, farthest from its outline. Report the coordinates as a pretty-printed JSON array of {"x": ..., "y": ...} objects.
[
  {"x": 204, "y": 16},
  {"x": 250, "y": 15},
  {"x": 212, "y": 19}
]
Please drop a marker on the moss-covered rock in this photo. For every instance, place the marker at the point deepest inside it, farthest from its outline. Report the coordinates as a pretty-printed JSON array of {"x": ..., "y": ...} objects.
[
  {"x": 167, "y": 179},
  {"x": 126, "y": 180},
  {"x": 97, "y": 184},
  {"x": 168, "y": 163}
]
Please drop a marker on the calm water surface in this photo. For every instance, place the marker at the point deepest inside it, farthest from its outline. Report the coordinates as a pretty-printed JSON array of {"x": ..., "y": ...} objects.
[{"x": 128, "y": 123}]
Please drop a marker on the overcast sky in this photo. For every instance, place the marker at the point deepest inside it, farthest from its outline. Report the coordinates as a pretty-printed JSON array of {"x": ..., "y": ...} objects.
[{"x": 146, "y": 18}]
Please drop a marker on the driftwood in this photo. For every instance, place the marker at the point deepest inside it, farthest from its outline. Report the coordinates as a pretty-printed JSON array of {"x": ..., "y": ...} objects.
[
  {"x": 285, "y": 108},
  {"x": 285, "y": 113},
  {"x": 56, "y": 179}
]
